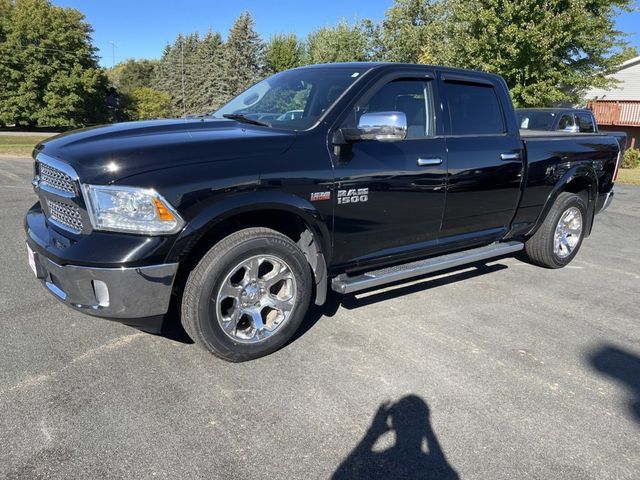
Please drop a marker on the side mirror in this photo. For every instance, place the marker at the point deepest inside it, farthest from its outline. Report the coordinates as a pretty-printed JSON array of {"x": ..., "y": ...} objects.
[{"x": 380, "y": 126}]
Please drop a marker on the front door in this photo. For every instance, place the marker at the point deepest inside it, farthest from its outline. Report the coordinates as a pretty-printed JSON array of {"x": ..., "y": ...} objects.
[{"x": 389, "y": 196}]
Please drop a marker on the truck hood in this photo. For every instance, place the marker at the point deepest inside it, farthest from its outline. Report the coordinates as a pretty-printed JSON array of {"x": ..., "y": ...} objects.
[{"x": 108, "y": 153}]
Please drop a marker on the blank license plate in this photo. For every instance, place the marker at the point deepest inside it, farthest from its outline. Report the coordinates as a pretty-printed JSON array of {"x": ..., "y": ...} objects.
[{"x": 32, "y": 261}]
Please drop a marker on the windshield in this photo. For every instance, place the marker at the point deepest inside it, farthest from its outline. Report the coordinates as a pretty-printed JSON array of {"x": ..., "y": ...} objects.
[
  {"x": 294, "y": 99},
  {"x": 536, "y": 120}
]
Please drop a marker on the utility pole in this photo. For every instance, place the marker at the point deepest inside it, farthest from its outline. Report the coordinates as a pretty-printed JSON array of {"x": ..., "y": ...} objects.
[
  {"x": 113, "y": 54},
  {"x": 184, "y": 100}
]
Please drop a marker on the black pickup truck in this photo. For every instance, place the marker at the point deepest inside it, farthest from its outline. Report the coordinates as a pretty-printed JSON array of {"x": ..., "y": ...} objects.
[
  {"x": 572, "y": 120},
  {"x": 244, "y": 217}
]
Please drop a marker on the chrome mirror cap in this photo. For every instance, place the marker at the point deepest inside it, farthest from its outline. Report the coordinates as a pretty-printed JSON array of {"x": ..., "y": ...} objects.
[{"x": 383, "y": 126}]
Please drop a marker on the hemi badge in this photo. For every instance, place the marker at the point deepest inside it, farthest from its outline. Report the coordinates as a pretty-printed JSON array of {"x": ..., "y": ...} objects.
[{"x": 320, "y": 196}]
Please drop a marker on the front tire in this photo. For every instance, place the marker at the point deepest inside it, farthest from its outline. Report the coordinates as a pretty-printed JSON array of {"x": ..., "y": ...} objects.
[
  {"x": 248, "y": 295},
  {"x": 560, "y": 236}
]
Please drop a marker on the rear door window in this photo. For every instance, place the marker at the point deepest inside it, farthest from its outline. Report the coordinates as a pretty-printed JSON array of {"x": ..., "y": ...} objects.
[
  {"x": 585, "y": 122},
  {"x": 566, "y": 122},
  {"x": 474, "y": 109}
]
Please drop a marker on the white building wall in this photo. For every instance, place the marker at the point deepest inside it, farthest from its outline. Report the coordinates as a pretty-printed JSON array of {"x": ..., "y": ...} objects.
[{"x": 627, "y": 89}]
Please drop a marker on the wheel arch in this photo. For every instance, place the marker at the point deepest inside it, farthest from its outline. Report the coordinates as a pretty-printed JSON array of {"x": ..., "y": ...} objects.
[
  {"x": 579, "y": 178},
  {"x": 287, "y": 214}
]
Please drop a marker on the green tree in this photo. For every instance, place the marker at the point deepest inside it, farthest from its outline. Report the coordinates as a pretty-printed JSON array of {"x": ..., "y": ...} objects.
[
  {"x": 207, "y": 76},
  {"x": 131, "y": 74},
  {"x": 407, "y": 27},
  {"x": 548, "y": 52},
  {"x": 49, "y": 70},
  {"x": 148, "y": 103},
  {"x": 192, "y": 84},
  {"x": 243, "y": 63},
  {"x": 125, "y": 78},
  {"x": 177, "y": 74},
  {"x": 372, "y": 33},
  {"x": 342, "y": 43},
  {"x": 5, "y": 18},
  {"x": 284, "y": 51},
  {"x": 168, "y": 74}
]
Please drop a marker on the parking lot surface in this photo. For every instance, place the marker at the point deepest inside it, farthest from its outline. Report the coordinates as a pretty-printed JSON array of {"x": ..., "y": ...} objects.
[{"x": 506, "y": 371}]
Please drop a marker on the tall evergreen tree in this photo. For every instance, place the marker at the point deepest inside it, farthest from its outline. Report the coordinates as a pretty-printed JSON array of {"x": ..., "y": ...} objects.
[
  {"x": 176, "y": 74},
  {"x": 244, "y": 57},
  {"x": 5, "y": 18},
  {"x": 168, "y": 73},
  {"x": 192, "y": 84},
  {"x": 49, "y": 74},
  {"x": 209, "y": 60}
]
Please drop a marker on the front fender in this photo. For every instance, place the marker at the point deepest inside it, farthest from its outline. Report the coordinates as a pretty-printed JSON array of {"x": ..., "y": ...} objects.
[
  {"x": 216, "y": 211},
  {"x": 580, "y": 172}
]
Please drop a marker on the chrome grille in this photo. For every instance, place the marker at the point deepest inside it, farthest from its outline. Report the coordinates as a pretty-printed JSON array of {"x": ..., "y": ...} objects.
[
  {"x": 56, "y": 179},
  {"x": 67, "y": 215}
]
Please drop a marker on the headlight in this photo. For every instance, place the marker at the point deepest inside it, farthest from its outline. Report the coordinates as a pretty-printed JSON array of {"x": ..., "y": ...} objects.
[{"x": 128, "y": 209}]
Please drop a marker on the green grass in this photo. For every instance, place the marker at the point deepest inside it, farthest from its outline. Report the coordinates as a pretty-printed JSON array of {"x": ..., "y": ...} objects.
[
  {"x": 629, "y": 176},
  {"x": 19, "y": 145}
]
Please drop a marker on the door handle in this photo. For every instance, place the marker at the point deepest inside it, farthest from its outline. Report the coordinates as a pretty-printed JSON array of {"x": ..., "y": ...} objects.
[
  {"x": 425, "y": 162},
  {"x": 507, "y": 157}
]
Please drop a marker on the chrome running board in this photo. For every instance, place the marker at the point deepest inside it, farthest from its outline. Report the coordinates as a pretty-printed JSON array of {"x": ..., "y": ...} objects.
[{"x": 346, "y": 284}]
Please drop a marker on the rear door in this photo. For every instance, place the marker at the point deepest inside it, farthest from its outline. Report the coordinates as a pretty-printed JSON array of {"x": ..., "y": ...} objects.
[{"x": 485, "y": 160}]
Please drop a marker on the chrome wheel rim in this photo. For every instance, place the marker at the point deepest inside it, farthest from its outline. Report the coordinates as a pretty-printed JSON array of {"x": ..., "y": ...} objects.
[
  {"x": 568, "y": 232},
  {"x": 255, "y": 299}
]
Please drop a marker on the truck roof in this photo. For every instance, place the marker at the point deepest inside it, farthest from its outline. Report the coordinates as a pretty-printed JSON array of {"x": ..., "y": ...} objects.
[{"x": 394, "y": 65}]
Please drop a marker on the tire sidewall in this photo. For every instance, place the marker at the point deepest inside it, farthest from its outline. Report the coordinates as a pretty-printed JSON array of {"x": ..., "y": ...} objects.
[
  {"x": 572, "y": 200},
  {"x": 207, "y": 322}
]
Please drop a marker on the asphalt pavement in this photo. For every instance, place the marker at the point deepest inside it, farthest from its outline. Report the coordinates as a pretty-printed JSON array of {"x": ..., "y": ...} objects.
[{"x": 506, "y": 371}]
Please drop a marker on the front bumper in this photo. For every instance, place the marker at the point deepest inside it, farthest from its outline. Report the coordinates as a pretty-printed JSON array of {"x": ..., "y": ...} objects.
[
  {"x": 118, "y": 293},
  {"x": 129, "y": 282}
]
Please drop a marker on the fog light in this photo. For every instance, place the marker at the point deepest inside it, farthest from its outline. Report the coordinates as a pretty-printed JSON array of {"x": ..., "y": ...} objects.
[{"x": 101, "y": 292}]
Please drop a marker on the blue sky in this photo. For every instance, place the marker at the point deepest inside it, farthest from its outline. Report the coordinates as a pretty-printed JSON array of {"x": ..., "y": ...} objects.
[{"x": 141, "y": 28}]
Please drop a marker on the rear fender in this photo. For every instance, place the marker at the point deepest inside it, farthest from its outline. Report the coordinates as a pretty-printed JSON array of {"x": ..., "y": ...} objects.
[{"x": 577, "y": 173}]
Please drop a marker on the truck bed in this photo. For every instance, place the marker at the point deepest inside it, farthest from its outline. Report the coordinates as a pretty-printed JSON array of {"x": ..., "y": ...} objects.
[{"x": 554, "y": 155}]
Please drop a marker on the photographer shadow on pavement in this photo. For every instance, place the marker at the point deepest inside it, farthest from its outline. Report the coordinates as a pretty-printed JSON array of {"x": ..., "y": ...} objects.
[
  {"x": 623, "y": 366},
  {"x": 415, "y": 454}
]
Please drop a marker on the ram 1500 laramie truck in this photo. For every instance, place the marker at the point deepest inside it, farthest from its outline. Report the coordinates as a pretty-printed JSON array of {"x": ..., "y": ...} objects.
[{"x": 243, "y": 217}]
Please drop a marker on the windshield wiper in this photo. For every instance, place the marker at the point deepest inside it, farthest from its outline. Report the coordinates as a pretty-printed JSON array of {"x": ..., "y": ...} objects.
[{"x": 241, "y": 118}]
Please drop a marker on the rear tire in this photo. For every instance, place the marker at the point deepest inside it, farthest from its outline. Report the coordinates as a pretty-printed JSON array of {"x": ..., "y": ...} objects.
[
  {"x": 248, "y": 295},
  {"x": 560, "y": 236}
]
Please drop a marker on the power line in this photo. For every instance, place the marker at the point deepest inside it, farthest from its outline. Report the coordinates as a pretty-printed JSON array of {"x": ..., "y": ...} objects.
[
  {"x": 184, "y": 107},
  {"x": 47, "y": 49},
  {"x": 161, "y": 61},
  {"x": 53, "y": 51}
]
